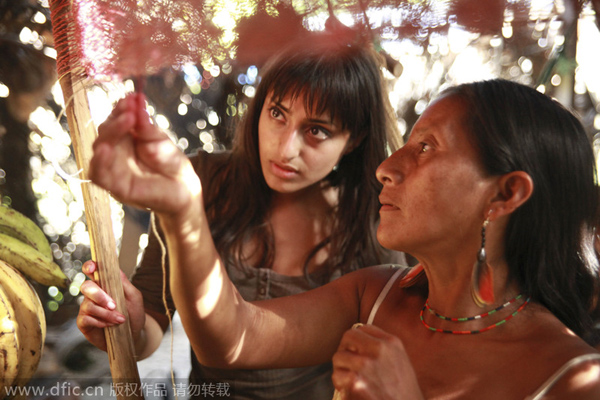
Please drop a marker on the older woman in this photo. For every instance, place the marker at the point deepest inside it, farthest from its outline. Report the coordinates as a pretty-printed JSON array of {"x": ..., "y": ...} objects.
[{"x": 494, "y": 193}]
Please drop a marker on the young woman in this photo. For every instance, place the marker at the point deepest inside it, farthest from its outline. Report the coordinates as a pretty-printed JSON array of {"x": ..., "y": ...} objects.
[
  {"x": 291, "y": 207},
  {"x": 494, "y": 193}
]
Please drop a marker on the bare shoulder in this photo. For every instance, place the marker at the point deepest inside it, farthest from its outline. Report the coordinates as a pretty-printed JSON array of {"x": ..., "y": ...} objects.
[
  {"x": 375, "y": 277},
  {"x": 384, "y": 271},
  {"x": 572, "y": 367},
  {"x": 365, "y": 282},
  {"x": 578, "y": 378},
  {"x": 368, "y": 284}
]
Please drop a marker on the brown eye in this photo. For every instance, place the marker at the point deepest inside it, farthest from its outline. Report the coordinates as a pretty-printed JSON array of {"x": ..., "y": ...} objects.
[
  {"x": 275, "y": 112},
  {"x": 424, "y": 148},
  {"x": 319, "y": 132}
]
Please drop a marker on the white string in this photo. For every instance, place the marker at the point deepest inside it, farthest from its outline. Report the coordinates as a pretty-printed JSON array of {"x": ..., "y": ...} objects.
[
  {"x": 55, "y": 164},
  {"x": 164, "y": 293}
]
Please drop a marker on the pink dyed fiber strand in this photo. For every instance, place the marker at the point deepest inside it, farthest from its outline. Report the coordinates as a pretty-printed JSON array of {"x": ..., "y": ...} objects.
[{"x": 135, "y": 38}]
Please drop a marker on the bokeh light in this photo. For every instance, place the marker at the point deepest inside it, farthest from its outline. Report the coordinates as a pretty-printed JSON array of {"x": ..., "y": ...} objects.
[{"x": 426, "y": 46}]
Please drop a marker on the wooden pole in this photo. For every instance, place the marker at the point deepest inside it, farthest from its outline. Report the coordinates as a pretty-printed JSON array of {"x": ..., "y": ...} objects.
[{"x": 121, "y": 352}]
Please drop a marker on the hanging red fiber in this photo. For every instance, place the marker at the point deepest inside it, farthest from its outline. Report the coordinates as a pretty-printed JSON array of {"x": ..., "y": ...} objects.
[{"x": 112, "y": 40}]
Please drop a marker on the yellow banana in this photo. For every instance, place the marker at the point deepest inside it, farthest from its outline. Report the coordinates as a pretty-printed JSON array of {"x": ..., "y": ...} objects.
[
  {"x": 9, "y": 344},
  {"x": 29, "y": 313},
  {"x": 31, "y": 262},
  {"x": 17, "y": 225}
]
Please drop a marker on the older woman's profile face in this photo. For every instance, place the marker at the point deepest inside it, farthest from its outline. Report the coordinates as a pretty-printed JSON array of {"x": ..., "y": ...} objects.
[{"x": 434, "y": 188}]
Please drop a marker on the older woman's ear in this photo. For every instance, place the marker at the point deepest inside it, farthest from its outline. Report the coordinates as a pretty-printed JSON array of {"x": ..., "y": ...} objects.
[{"x": 514, "y": 189}]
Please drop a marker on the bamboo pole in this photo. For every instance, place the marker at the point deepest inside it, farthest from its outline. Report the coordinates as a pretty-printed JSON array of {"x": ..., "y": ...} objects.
[{"x": 121, "y": 352}]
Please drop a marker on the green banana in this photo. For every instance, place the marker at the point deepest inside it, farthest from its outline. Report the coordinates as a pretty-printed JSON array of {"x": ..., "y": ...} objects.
[
  {"x": 17, "y": 225},
  {"x": 9, "y": 343},
  {"x": 31, "y": 262},
  {"x": 29, "y": 313}
]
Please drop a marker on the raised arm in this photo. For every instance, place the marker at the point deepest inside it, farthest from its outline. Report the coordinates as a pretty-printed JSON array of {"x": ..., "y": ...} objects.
[{"x": 141, "y": 166}]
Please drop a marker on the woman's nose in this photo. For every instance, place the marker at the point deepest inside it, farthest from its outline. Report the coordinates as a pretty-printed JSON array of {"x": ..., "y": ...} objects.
[
  {"x": 390, "y": 171},
  {"x": 290, "y": 144}
]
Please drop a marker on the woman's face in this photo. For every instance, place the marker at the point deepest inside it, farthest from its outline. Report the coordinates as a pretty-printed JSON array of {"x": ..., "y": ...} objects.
[
  {"x": 297, "y": 149},
  {"x": 434, "y": 188}
]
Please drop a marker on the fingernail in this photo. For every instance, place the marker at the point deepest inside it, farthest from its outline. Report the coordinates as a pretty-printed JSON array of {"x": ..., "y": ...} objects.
[
  {"x": 120, "y": 319},
  {"x": 111, "y": 305}
]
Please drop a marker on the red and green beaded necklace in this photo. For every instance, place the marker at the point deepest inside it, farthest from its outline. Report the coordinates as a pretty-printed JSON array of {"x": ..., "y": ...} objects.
[
  {"x": 474, "y": 317},
  {"x": 487, "y": 328}
]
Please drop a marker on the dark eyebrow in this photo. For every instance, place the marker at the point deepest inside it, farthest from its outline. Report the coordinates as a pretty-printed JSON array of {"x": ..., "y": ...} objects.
[
  {"x": 321, "y": 121},
  {"x": 311, "y": 120},
  {"x": 278, "y": 104},
  {"x": 421, "y": 131}
]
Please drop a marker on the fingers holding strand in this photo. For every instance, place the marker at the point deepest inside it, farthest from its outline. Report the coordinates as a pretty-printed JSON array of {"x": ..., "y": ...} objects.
[
  {"x": 372, "y": 364},
  {"x": 119, "y": 123},
  {"x": 138, "y": 163},
  {"x": 365, "y": 340},
  {"x": 349, "y": 361}
]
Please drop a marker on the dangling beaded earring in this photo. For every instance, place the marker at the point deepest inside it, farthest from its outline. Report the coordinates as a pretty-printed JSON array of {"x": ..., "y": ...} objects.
[
  {"x": 413, "y": 276},
  {"x": 482, "y": 279}
]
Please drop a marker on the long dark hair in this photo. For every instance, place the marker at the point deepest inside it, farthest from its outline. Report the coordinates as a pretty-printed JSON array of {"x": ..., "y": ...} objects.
[
  {"x": 333, "y": 76},
  {"x": 550, "y": 238}
]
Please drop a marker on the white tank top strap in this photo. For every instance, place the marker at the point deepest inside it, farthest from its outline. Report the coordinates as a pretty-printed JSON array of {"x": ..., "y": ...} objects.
[
  {"x": 546, "y": 386},
  {"x": 388, "y": 286},
  {"x": 384, "y": 292}
]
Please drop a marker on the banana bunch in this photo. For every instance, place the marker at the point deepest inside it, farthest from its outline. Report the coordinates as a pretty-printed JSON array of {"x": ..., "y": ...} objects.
[
  {"x": 22, "y": 329},
  {"x": 24, "y": 246},
  {"x": 25, "y": 255}
]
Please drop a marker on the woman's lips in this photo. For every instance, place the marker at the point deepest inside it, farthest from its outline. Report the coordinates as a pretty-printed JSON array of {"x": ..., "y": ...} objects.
[
  {"x": 283, "y": 171},
  {"x": 386, "y": 204}
]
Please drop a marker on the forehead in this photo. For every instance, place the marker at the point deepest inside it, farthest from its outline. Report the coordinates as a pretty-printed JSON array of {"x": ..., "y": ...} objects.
[
  {"x": 293, "y": 101},
  {"x": 444, "y": 123},
  {"x": 444, "y": 118}
]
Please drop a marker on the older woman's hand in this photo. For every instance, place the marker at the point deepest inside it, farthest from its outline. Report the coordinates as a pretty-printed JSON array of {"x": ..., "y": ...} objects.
[{"x": 371, "y": 364}]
